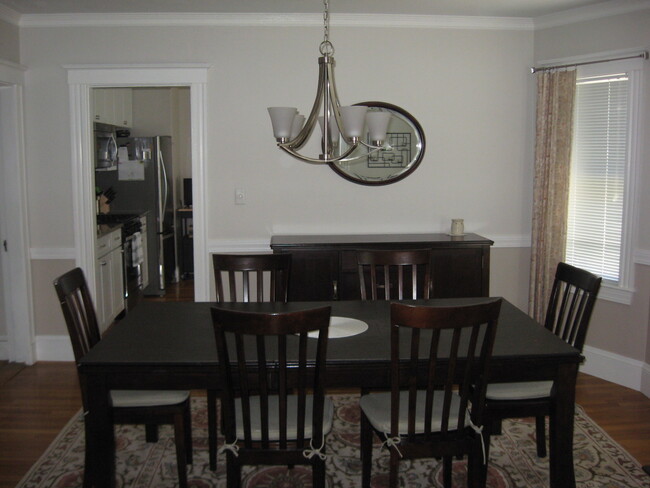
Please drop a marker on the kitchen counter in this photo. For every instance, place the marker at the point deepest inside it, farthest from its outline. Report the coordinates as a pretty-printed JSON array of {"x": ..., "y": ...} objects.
[{"x": 104, "y": 229}]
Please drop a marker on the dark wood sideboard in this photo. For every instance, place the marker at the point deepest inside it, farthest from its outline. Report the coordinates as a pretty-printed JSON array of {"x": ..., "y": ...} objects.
[{"x": 324, "y": 267}]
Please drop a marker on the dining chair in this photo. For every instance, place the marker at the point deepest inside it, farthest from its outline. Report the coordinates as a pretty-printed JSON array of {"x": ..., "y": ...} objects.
[
  {"x": 245, "y": 278},
  {"x": 273, "y": 401},
  {"x": 149, "y": 407},
  {"x": 251, "y": 277},
  {"x": 439, "y": 362},
  {"x": 568, "y": 314},
  {"x": 394, "y": 274}
]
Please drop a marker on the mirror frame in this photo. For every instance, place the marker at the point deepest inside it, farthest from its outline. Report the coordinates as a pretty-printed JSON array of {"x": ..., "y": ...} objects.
[{"x": 399, "y": 176}]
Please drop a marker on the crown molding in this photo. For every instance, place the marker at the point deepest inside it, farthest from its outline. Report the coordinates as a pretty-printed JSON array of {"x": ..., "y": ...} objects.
[
  {"x": 590, "y": 12},
  {"x": 275, "y": 20},
  {"x": 9, "y": 15}
]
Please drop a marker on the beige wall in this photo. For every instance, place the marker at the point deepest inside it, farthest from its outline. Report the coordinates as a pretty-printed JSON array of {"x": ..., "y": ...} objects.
[
  {"x": 470, "y": 90},
  {"x": 9, "y": 42},
  {"x": 620, "y": 329}
]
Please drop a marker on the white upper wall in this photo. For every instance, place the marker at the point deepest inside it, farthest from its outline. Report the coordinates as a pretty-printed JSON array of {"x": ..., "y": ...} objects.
[{"x": 470, "y": 90}]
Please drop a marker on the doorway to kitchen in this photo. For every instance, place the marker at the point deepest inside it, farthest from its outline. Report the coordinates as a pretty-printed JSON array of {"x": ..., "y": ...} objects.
[{"x": 82, "y": 80}]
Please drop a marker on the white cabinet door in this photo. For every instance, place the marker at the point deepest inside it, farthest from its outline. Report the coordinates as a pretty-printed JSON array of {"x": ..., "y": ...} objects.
[
  {"x": 113, "y": 106},
  {"x": 109, "y": 301}
]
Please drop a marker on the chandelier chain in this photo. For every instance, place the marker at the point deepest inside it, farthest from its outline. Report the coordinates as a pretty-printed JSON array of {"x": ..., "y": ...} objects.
[{"x": 326, "y": 47}]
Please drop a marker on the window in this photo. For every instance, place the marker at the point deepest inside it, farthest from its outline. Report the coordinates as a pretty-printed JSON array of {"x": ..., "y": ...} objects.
[{"x": 602, "y": 189}]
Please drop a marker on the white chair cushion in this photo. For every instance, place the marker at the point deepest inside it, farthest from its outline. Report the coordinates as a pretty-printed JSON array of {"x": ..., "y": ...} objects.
[
  {"x": 519, "y": 391},
  {"x": 376, "y": 406},
  {"x": 292, "y": 418},
  {"x": 147, "y": 398}
]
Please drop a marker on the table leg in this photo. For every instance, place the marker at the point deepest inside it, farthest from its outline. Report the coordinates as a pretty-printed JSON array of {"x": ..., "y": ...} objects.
[
  {"x": 561, "y": 469},
  {"x": 100, "y": 450}
]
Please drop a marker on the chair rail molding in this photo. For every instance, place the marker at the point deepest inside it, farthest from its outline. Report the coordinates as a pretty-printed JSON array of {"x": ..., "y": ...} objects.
[{"x": 81, "y": 79}]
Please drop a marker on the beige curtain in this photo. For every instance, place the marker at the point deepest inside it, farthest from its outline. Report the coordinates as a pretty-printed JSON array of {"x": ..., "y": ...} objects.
[{"x": 555, "y": 98}]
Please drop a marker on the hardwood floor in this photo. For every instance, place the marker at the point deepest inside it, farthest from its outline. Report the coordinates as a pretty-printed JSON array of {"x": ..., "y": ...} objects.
[{"x": 37, "y": 401}]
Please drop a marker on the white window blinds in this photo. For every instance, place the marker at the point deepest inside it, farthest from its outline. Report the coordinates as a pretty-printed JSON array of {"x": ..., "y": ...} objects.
[{"x": 598, "y": 171}]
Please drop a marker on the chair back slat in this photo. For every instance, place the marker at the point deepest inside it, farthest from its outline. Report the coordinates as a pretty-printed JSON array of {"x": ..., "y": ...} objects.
[
  {"x": 571, "y": 303},
  {"x": 394, "y": 274},
  {"x": 444, "y": 360},
  {"x": 276, "y": 362},
  {"x": 251, "y": 277}
]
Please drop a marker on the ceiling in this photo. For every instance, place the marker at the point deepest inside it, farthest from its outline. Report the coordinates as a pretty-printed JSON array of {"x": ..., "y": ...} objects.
[{"x": 485, "y": 8}]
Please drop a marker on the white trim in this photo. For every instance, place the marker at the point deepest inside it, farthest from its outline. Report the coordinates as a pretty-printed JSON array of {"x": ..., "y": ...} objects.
[
  {"x": 54, "y": 348},
  {"x": 645, "y": 380},
  {"x": 614, "y": 367},
  {"x": 4, "y": 348},
  {"x": 602, "y": 364},
  {"x": 16, "y": 265},
  {"x": 590, "y": 12},
  {"x": 275, "y": 20},
  {"x": 238, "y": 245},
  {"x": 81, "y": 79}
]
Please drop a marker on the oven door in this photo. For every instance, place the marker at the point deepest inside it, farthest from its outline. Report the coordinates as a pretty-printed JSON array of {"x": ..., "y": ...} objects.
[{"x": 133, "y": 263}]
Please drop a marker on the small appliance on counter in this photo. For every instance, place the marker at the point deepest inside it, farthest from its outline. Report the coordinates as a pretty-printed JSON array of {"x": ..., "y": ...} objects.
[{"x": 105, "y": 148}]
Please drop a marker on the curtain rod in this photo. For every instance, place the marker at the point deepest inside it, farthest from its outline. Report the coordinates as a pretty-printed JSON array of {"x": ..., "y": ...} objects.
[{"x": 643, "y": 55}]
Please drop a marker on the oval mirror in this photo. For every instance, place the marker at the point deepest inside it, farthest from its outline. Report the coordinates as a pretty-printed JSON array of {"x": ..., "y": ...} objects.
[{"x": 401, "y": 155}]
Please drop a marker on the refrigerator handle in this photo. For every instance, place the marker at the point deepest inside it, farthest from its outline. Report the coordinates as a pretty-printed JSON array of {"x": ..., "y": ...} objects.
[{"x": 163, "y": 202}]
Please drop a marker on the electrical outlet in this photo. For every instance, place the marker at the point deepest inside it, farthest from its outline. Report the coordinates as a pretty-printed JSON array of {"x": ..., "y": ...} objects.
[{"x": 240, "y": 197}]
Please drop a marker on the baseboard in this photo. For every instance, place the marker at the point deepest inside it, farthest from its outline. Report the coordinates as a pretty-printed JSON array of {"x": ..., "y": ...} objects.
[
  {"x": 54, "y": 348},
  {"x": 617, "y": 369}
]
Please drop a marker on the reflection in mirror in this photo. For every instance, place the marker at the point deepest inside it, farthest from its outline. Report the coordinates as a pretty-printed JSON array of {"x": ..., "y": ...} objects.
[{"x": 401, "y": 154}]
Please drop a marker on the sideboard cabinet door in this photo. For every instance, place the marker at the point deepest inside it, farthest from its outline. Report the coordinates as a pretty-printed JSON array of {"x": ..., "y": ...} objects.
[{"x": 314, "y": 276}]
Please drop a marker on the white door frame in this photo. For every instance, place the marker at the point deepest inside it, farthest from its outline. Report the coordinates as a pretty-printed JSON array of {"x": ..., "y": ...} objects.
[
  {"x": 81, "y": 79},
  {"x": 16, "y": 265}
]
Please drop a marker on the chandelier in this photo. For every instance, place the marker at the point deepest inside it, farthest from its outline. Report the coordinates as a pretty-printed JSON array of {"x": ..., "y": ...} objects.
[{"x": 337, "y": 123}]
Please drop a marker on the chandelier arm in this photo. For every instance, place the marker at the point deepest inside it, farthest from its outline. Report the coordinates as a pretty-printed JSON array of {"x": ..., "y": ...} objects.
[
  {"x": 290, "y": 150},
  {"x": 312, "y": 120},
  {"x": 334, "y": 102}
]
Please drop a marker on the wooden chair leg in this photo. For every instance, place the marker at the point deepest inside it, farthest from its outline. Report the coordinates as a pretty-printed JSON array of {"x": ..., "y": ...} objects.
[
  {"x": 151, "y": 432},
  {"x": 233, "y": 471},
  {"x": 446, "y": 471},
  {"x": 393, "y": 477},
  {"x": 187, "y": 422},
  {"x": 366, "y": 451},
  {"x": 212, "y": 429},
  {"x": 540, "y": 435},
  {"x": 318, "y": 474},
  {"x": 181, "y": 449}
]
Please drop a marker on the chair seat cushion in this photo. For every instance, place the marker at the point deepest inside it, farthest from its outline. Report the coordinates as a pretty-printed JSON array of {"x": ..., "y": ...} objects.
[
  {"x": 292, "y": 418},
  {"x": 147, "y": 398},
  {"x": 376, "y": 406},
  {"x": 519, "y": 391}
]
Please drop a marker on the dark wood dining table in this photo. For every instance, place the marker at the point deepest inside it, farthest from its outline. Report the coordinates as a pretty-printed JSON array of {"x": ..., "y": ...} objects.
[{"x": 170, "y": 345}]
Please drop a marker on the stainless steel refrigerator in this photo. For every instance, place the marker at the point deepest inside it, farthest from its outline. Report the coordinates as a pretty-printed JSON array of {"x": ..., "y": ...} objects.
[{"x": 143, "y": 183}]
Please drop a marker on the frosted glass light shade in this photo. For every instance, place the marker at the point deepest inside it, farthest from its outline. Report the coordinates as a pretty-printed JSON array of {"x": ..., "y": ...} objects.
[
  {"x": 377, "y": 125},
  {"x": 334, "y": 128},
  {"x": 354, "y": 118},
  {"x": 296, "y": 126},
  {"x": 282, "y": 120}
]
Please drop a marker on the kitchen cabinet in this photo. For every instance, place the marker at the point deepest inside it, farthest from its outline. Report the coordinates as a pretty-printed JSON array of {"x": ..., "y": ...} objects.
[
  {"x": 113, "y": 106},
  {"x": 324, "y": 267},
  {"x": 109, "y": 302}
]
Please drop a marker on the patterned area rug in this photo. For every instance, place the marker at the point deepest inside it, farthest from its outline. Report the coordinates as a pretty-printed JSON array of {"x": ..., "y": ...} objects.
[{"x": 600, "y": 462}]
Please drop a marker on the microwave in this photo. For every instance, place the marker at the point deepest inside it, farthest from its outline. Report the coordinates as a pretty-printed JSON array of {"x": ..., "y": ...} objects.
[{"x": 105, "y": 147}]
